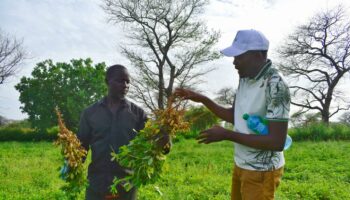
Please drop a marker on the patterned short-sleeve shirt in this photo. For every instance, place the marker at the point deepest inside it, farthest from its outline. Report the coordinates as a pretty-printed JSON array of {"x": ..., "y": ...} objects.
[{"x": 266, "y": 95}]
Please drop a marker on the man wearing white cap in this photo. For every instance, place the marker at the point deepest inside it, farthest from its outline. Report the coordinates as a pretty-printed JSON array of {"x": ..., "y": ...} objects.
[{"x": 258, "y": 159}]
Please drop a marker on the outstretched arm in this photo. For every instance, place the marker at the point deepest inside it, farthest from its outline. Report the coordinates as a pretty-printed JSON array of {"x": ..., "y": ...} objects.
[{"x": 223, "y": 113}]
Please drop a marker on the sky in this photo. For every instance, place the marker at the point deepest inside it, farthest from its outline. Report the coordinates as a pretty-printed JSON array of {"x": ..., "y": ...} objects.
[{"x": 65, "y": 29}]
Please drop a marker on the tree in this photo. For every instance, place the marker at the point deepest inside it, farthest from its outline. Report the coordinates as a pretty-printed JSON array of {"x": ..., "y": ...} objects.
[
  {"x": 200, "y": 118},
  {"x": 3, "y": 121},
  {"x": 316, "y": 58},
  {"x": 345, "y": 118},
  {"x": 226, "y": 96},
  {"x": 168, "y": 42},
  {"x": 70, "y": 86},
  {"x": 11, "y": 56},
  {"x": 299, "y": 119}
]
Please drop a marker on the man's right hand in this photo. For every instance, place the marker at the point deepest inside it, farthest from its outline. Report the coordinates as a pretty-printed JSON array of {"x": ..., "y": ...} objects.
[
  {"x": 214, "y": 134},
  {"x": 220, "y": 111},
  {"x": 189, "y": 94},
  {"x": 164, "y": 142}
]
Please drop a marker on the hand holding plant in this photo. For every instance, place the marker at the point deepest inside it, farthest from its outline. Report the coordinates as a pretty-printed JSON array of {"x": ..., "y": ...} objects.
[{"x": 145, "y": 154}]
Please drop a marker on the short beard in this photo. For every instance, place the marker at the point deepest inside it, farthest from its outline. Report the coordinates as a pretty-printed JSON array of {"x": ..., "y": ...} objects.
[{"x": 118, "y": 96}]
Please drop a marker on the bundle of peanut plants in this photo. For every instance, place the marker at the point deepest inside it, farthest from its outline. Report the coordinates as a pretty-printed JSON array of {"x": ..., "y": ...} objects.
[
  {"x": 73, "y": 154},
  {"x": 142, "y": 155}
]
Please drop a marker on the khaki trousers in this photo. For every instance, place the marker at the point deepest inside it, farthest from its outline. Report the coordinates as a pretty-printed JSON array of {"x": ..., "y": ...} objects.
[{"x": 255, "y": 185}]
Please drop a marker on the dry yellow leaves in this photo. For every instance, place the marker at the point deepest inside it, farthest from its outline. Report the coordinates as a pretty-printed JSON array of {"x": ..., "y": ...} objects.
[{"x": 72, "y": 150}]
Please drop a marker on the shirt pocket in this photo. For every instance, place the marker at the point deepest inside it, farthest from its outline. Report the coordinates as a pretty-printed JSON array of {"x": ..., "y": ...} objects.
[
  {"x": 129, "y": 124},
  {"x": 100, "y": 125}
]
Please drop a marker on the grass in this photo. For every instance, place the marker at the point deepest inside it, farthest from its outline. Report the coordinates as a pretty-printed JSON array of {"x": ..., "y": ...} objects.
[
  {"x": 314, "y": 170},
  {"x": 320, "y": 132},
  {"x": 317, "y": 170},
  {"x": 29, "y": 170}
]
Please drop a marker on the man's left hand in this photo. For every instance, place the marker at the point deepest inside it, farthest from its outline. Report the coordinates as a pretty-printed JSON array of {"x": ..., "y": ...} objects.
[
  {"x": 214, "y": 134},
  {"x": 164, "y": 143},
  {"x": 64, "y": 170}
]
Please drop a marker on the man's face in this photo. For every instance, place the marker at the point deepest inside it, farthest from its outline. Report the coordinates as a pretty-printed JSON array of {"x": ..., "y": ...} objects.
[
  {"x": 245, "y": 64},
  {"x": 118, "y": 84}
]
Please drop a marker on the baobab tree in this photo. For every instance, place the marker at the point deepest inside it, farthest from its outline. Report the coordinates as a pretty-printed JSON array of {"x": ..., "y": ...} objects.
[
  {"x": 316, "y": 58},
  {"x": 167, "y": 42}
]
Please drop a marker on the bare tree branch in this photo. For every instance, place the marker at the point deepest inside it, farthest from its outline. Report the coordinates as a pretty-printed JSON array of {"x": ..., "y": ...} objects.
[
  {"x": 169, "y": 43},
  {"x": 11, "y": 56},
  {"x": 317, "y": 56},
  {"x": 226, "y": 96}
]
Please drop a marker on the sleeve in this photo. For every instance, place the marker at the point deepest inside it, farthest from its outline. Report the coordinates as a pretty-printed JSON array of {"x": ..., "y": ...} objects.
[
  {"x": 142, "y": 120},
  {"x": 84, "y": 131},
  {"x": 277, "y": 99}
]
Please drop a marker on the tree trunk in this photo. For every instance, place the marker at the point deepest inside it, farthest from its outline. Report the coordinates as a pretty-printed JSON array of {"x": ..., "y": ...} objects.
[
  {"x": 325, "y": 111},
  {"x": 325, "y": 118}
]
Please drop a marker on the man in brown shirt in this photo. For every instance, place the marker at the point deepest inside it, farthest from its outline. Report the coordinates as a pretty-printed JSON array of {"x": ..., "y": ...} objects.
[{"x": 104, "y": 127}]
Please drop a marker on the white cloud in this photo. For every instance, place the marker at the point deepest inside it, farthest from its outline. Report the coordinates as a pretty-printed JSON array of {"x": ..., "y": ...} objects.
[
  {"x": 57, "y": 30},
  {"x": 62, "y": 30}
]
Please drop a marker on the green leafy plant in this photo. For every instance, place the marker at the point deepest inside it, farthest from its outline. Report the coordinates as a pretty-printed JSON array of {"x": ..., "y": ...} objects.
[{"x": 143, "y": 155}]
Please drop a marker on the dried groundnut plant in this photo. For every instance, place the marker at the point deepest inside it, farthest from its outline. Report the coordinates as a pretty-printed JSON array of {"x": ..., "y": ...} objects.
[{"x": 74, "y": 154}]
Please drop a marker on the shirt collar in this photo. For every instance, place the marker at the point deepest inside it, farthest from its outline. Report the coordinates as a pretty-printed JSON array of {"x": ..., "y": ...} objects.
[
  {"x": 263, "y": 70},
  {"x": 124, "y": 102}
]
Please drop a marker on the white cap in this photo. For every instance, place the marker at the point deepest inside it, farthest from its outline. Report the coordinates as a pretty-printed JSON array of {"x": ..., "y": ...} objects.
[{"x": 246, "y": 40}]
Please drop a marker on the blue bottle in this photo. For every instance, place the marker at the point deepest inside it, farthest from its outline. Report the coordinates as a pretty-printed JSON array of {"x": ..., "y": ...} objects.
[
  {"x": 64, "y": 170},
  {"x": 256, "y": 124},
  {"x": 259, "y": 126}
]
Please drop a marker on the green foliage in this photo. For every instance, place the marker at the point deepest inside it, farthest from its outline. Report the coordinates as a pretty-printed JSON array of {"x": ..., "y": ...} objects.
[
  {"x": 194, "y": 171},
  {"x": 145, "y": 154},
  {"x": 320, "y": 131},
  {"x": 313, "y": 171},
  {"x": 18, "y": 124},
  {"x": 142, "y": 156},
  {"x": 200, "y": 118},
  {"x": 70, "y": 86},
  {"x": 316, "y": 170},
  {"x": 345, "y": 118},
  {"x": 21, "y": 131},
  {"x": 29, "y": 171},
  {"x": 303, "y": 119},
  {"x": 27, "y": 134},
  {"x": 73, "y": 189}
]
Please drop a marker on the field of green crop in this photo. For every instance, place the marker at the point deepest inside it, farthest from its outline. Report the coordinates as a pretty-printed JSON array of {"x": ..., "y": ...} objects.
[{"x": 314, "y": 170}]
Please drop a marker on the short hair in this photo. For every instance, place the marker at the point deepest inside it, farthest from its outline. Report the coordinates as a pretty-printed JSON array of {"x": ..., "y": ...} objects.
[{"x": 112, "y": 69}]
